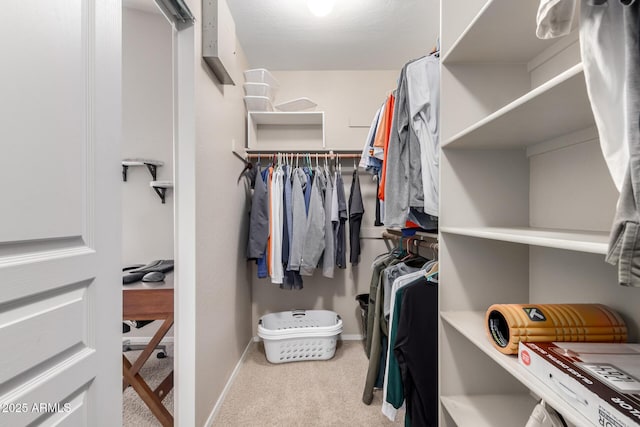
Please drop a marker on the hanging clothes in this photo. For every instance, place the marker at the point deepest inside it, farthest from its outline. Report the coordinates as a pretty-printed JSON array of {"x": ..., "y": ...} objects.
[
  {"x": 277, "y": 207},
  {"x": 356, "y": 211},
  {"x": 287, "y": 215},
  {"x": 314, "y": 243},
  {"x": 259, "y": 218},
  {"x": 610, "y": 50},
  {"x": 307, "y": 189},
  {"x": 368, "y": 161},
  {"x": 328, "y": 258},
  {"x": 393, "y": 390},
  {"x": 263, "y": 270},
  {"x": 403, "y": 179},
  {"x": 373, "y": 345},
  {"x": 339, "y": 218},
  {"x": 270, "y": 239},
  {"x": 378, "y": 218},
  {"x": 299, "y": 218},
  {"x": 298, "y": 221},
  {"x": 416, "y": 349},
  {"x": 384, "y": 132},
  {"x": 378, "y": 352},
  {"x": 292, "y": 279},
  {"x": 423, "y": 101}
]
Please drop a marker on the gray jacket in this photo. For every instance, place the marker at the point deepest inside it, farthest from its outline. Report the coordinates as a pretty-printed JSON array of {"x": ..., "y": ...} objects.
[
  {"x": 403, "y": 182},
  {"x": 259, "y": 219},
  {"x": 299, "y": 223},
  {"x": 314, "y": 243}
]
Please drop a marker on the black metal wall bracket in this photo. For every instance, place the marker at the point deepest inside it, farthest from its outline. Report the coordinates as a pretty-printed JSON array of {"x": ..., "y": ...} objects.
[
  {"x": 152, "y": 166},
  {"x": 160, "y": 187}
]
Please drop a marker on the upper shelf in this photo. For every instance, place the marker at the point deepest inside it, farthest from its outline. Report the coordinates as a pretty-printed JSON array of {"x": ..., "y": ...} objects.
[
  {"x": 141, "y": 162},
  {"x": 558, "y": 107},
  {"x": 287, "y": 117},
  {"x": 514, "y": 43},
  {"x": 285, "y": 131},
  {"x": 152, "y": 166},
  {"x": 471, "y": 325},
  {"x": 580, "y": 241}
]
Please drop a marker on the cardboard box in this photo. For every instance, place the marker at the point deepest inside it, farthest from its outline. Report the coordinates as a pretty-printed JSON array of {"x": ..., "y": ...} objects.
[{"x": 602, "y": 381}]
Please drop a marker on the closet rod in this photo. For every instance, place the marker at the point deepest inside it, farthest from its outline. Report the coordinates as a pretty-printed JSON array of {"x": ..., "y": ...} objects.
[
  {"x": 417, "y": 241},
  {"x": 320, "y": 154},
  {"x": 395, "y": 234}
]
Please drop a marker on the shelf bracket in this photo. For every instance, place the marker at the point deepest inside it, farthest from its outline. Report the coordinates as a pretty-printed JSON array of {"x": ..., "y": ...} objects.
[
  {"x": 152, "y": 170},
  {"x": 161, "y": 192},
  {"x": 160, "y": 187}
]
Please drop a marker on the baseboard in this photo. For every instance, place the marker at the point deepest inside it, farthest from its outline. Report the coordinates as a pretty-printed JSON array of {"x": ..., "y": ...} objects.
[
  {"x": 351, "y": 337},
  {"x": 343, "y": 337},
  {"x": 146, "y": 340},
  {"x": 227, "y": 387}
]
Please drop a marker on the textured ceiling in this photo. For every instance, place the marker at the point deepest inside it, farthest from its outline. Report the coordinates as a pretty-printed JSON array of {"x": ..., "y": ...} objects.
[{"x": 358, "y": 34}]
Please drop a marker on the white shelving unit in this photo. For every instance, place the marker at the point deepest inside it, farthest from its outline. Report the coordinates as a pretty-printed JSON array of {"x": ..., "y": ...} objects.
[
  {"x": 482, "y": 41},
  {"x": 299, "y": 130},
  {"x": 480, "y": 411},
  {"x": 526, "y": 203},
  {"x": 470, "y": 325},
  {"x": 581, "y": 241},
  {"x": 555, "y": 108}
]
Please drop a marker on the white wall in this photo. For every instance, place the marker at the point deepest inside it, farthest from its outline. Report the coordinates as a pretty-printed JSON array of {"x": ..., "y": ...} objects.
[
  {"x": 147, "y": 127},
  {"x": 223, "y": 291},
  {"x": 349, "y": 100}
]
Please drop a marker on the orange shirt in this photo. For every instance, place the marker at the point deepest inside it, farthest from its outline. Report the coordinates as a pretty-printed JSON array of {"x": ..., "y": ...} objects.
[{"x": 386, "y": 132}]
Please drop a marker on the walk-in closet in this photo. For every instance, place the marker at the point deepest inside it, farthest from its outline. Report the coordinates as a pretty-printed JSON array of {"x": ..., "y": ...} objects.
[{"x": 227, "y": 213}]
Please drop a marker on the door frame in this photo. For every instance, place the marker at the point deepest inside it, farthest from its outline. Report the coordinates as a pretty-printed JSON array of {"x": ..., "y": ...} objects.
[{"x": 184, "y": 146}]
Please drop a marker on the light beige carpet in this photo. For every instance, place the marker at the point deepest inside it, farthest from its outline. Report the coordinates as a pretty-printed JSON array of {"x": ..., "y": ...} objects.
[
  {"x": 135, "y": 412},
  {"x": 309, "y": 393}
]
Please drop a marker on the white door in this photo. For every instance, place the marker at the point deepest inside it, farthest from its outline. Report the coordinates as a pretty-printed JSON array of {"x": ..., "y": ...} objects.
[{"x": 60, "y": 292}]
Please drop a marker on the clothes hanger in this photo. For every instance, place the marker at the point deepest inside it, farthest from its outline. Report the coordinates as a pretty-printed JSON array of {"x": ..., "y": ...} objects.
[
  {"x": 247, "y": 167},
  {"x": 409, "y": 255},
  {"x": 398, "y": 251},
  {"x": 434, "y": 247},
  {"x": 432, "y": 271}
]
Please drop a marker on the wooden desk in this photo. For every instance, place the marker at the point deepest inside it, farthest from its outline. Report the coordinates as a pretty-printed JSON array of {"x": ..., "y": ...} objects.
[{"x": 149, "y": 301}]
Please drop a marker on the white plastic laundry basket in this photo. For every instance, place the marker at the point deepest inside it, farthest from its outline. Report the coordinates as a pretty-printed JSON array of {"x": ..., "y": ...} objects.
[{"x": 292, "y": 336}]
